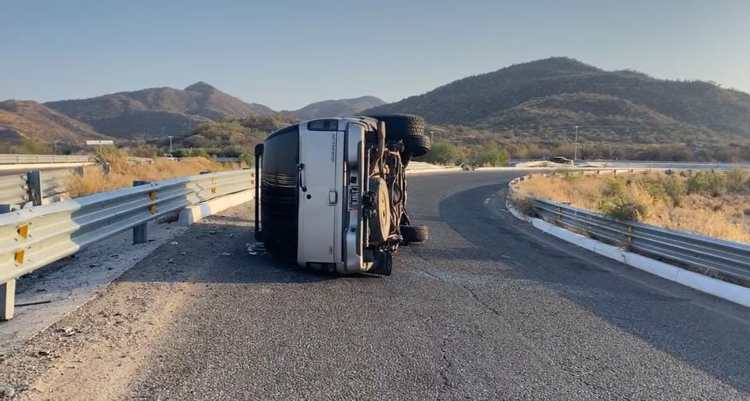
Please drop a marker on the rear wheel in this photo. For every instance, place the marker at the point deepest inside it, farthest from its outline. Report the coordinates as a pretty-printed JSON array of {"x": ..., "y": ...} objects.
[
  {"x": 418, "y": 145},
  {"x": 383, "y": 264},
  {"x": 415, "y": 234},
  {"x": 401, "y": 126},
  {"x": 405, "y": 158}
]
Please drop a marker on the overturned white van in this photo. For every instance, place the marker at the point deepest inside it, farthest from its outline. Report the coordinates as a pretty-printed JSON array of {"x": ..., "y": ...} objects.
[{"x": 331, "y": 193}]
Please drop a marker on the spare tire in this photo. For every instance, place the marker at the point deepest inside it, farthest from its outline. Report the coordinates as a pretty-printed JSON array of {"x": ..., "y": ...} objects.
[
  {"x": 380, "y": 221},
  {"x": 401, "y": 126},
  {"x": 415, "y": 233},
  {"x": 418, "y": 145}
]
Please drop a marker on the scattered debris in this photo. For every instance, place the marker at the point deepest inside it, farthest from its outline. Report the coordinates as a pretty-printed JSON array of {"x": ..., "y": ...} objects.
[
  {"x": 46, "y": 301},
  {"x": 256, "y": 249},
  {"x": 67, "y": 331},
  {"x": 170, "y": 260},
  {"x": 174, "y": 243},
  {"x": 226, "y": 254},
  {"x": 93, "y": 265}
]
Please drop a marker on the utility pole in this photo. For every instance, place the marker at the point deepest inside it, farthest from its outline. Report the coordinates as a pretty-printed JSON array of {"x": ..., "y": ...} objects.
[
  {"x": 575, "y": 152},
  {"x": 170, "y": 145}
]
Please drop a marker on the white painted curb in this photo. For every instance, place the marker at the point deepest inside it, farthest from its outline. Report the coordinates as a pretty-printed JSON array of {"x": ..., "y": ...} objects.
[
  {"x": 722, "y": 289},
  {"x": 515, "y": 212},
  {"x": 193, "y": 214}
]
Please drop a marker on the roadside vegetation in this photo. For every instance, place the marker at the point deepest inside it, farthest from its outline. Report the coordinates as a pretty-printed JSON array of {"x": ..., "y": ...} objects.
[
  {"x": 446, "y": 153},
  {"x": 122, "y": 172},
  {"x": 543, "y": 142},
  {"x": 711, "y": 203}
]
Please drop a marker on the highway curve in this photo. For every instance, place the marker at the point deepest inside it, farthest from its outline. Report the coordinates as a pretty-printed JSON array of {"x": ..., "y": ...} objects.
[{"x": 487, "y": 310}]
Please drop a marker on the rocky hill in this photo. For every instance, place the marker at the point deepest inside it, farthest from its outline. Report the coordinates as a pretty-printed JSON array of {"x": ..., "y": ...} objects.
[
  {"x": 562, "y": 92},
  {"x": 158, "y": 111},
  {"x": 30, "y": 120},
  {"x": 337, "y": 108}
]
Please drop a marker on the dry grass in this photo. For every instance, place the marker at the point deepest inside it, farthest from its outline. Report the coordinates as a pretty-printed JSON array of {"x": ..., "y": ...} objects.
[
  {"x": 713, "y": 204},
  {"x": 123, "y": 173}
]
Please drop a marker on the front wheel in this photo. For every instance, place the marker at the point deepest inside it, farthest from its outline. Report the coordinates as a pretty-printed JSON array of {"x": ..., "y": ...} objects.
[{"x": 415, "y": 234}]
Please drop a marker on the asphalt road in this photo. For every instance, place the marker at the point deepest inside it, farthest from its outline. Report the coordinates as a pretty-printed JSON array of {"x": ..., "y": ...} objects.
[{"x": 487, "y": 310}]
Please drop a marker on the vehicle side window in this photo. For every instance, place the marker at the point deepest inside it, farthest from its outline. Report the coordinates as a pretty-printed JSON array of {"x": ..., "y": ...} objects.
[{"x": 323, "y": 125}]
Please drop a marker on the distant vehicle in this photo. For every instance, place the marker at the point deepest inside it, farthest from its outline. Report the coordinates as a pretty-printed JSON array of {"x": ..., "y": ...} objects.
[
  {"x": 561, "y": 160},
  {"x": 332, "y": 192}
]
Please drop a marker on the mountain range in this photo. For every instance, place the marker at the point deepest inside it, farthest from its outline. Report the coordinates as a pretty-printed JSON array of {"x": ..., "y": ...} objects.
[
  {"x": 337, "y": 108},
  {"x": 533, "y": 98},
  {"x": 563, "y": 92},
  {"x": 21, "y": 120},
  {"x": 157, "y": 111}
]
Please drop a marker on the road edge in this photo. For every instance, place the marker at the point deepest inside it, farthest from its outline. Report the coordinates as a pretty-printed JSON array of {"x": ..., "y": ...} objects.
[{"x": 708, "y": 285}]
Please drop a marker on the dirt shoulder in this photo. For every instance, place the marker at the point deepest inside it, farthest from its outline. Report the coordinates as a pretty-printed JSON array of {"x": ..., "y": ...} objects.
[{"x": 95, "y": 352}]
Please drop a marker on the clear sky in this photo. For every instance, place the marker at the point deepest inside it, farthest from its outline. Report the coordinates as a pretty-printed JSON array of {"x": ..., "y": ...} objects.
[{"x": 286, "y": 54}]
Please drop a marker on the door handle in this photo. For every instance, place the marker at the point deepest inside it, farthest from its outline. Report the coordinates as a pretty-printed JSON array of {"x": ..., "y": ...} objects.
[
  {"x": 333, "y": 197},
  {"x": 301, "y": 176}
]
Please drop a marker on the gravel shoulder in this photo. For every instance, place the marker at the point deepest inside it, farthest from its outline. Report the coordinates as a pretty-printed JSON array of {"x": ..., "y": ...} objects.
[{"x": 94, "y": 352}]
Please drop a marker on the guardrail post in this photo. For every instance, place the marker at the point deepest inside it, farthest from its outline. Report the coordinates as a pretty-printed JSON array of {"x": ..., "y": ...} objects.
[
  {"x": 7, "y": 299},
  {"x": 34, "y": 182},
  {"x": 140, "y": 232},
  {"x": 629, "y": 238},
  {"x": 7, "y": 290}
]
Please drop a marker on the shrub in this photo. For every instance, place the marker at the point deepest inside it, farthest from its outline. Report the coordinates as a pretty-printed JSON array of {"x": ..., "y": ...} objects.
[
  {"x": 443, "y": 153},
  {"x": 675, "y": 189},
  {"x": 491, "y": 155},
  {"x": 710, "y": 182},
  {"x": 623, "y": 208},
  {"x": 614, "y": 187},
  {"x": 737, "y": 181}
]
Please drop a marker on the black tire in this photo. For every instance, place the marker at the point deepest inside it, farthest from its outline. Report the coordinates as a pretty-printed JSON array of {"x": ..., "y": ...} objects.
[
  {"x": 405, "y": 158},
  {"x": 413, "y": 234},
  {"x": 383, "y": 263},
  {"x": 401, "y": 126},
  {"x": 418, "y": 145}
]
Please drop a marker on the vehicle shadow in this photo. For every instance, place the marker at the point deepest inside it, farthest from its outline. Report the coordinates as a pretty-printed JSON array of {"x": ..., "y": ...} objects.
[
  {"x": 709, "y": 334},
  {"x": 219, "y": 251}
]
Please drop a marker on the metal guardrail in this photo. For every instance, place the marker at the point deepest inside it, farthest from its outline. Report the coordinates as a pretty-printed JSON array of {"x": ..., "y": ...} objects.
[
  {"x": 43, "y": 159},
  {"x": 32, "y": 238},
  {"x": 53, "y": 182},
  {"x": 14, "y": 190},
  {"x": 727, "y": 260},
  {"x": 34, "y": 187},
  {"x": 220, "y": 159}
]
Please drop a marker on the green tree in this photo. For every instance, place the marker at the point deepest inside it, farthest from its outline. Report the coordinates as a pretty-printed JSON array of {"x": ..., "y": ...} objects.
[
  {"x": 443, "y": 153},
  {"x": 491, "y": 155}
]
